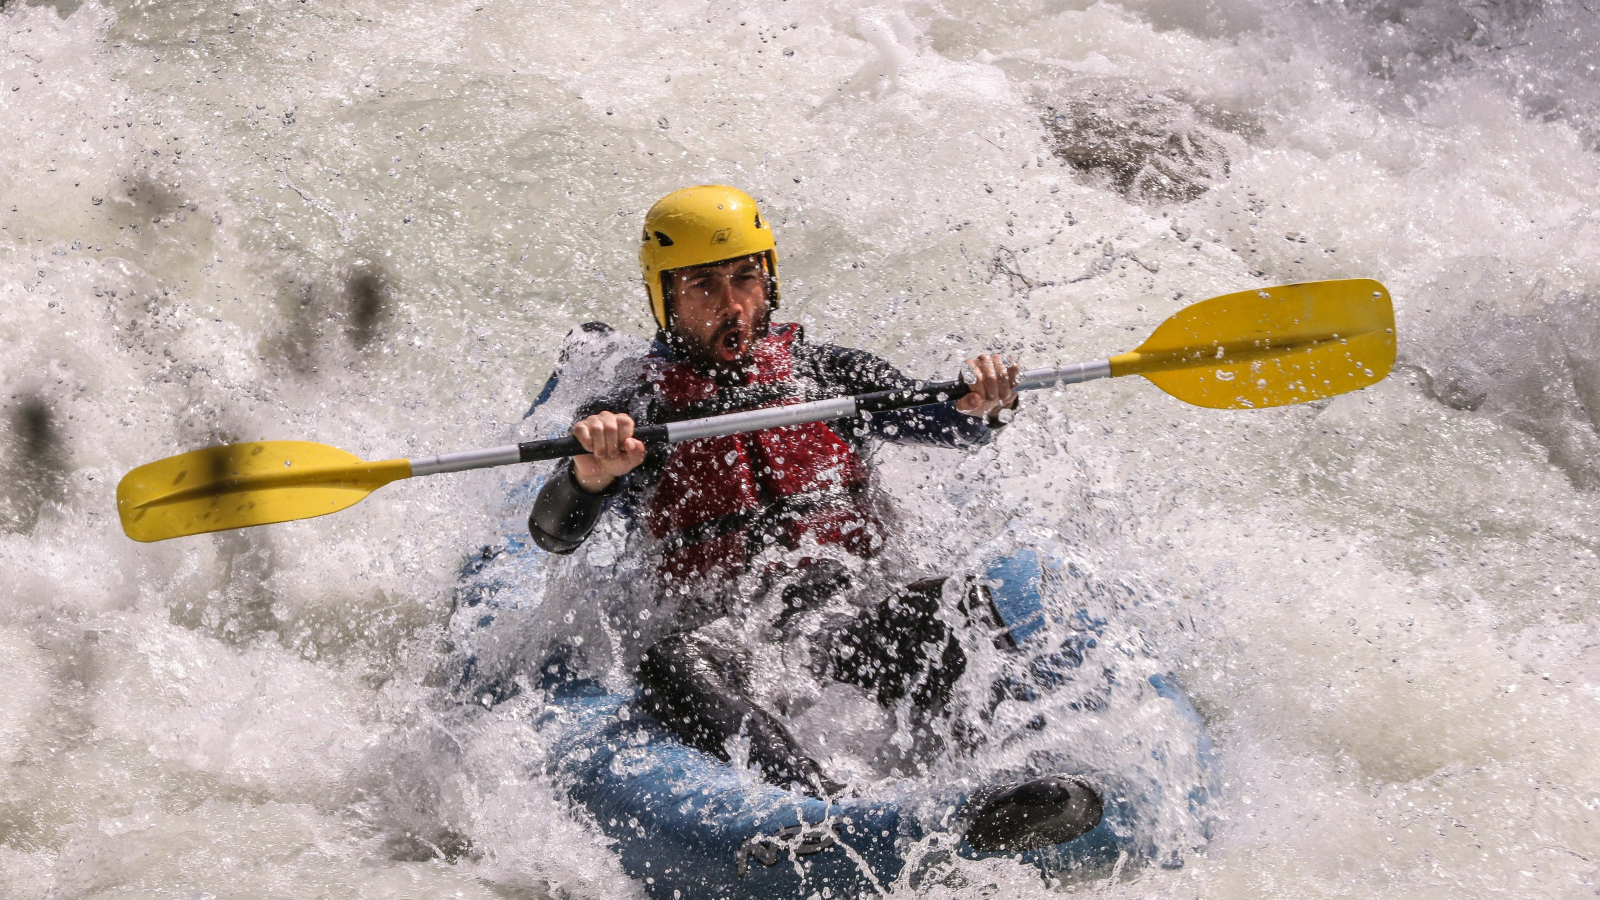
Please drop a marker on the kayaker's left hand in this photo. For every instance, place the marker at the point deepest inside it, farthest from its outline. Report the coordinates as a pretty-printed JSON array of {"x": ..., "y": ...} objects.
[{"x": 995, "y": 388}]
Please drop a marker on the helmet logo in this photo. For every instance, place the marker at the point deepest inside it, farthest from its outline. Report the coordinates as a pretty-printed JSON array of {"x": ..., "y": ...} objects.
[{"x": 722, "y": 235}]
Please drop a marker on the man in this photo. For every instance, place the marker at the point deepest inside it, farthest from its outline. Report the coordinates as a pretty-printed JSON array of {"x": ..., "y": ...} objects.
[{"x": 778, "y": 508}]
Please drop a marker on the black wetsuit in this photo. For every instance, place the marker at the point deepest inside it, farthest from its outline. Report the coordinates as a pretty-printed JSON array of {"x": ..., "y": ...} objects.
[{"x": 897, "y": 648}]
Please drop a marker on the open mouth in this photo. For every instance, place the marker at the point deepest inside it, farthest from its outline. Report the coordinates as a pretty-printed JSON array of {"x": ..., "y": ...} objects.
[{"x": 732, "y": 341}]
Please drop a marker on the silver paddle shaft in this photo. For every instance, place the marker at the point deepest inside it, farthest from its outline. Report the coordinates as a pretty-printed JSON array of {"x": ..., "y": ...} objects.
[{"x": 755, "y": 419}]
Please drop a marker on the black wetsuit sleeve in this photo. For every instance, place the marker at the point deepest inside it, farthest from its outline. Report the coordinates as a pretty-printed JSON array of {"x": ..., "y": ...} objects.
[
  {"x": 853, "y": 371},
  {"x": 564, "y": 513}
]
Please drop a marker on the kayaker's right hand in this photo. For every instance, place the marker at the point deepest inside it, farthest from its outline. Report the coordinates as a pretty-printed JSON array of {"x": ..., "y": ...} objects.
[{"x": 613, "y": 450}]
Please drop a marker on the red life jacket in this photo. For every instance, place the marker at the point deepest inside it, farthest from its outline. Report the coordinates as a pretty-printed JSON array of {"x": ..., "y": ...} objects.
[{"x": 717, "y": 495}]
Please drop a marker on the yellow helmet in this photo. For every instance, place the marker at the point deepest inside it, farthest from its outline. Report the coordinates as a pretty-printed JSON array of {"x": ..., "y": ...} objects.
[{"x": 694, "y": 226}]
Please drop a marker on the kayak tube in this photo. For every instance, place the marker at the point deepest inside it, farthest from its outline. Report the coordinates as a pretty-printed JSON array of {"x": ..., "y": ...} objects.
[{"x": 686, "y": 824}]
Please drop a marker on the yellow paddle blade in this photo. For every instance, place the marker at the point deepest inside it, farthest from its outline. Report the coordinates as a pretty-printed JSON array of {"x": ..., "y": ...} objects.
[
  {"x": 1271, "y": 347},
  {"x": 239, "y": 485}
]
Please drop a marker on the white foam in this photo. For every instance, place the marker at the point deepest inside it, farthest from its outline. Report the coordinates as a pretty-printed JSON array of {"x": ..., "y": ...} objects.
[{"x": 1384, "y": 605}]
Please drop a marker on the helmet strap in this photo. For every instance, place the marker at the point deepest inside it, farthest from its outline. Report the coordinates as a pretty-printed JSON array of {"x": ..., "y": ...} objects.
[
  {"x": 666, "y": 298},
  {"x": 772, "y": 282}
]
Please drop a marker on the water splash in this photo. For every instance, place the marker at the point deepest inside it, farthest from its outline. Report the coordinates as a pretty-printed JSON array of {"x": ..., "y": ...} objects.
[{"x": 1381, "y": 603}]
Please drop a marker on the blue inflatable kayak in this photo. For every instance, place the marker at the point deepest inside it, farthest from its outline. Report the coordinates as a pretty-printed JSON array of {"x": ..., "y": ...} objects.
[{"x": 688, "y": 825}]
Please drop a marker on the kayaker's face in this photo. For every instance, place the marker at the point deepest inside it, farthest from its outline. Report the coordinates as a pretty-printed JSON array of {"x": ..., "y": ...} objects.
[{"x": 719, "y": 311}]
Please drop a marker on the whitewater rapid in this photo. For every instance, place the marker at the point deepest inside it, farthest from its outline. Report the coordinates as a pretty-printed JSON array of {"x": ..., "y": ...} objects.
[{"x": 371, "y": 222}]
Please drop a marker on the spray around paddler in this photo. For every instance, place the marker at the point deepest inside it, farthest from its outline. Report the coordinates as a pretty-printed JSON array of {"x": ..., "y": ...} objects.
[{"x": 719, "y": 507}]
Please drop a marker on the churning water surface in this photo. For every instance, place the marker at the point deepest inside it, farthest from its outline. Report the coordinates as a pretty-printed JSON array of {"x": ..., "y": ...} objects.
[{"x": 370, "y": 223}]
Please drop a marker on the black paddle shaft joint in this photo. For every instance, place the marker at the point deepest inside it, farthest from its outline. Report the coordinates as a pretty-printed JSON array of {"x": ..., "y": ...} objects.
[
  {"x": 559, "y": 448},
  {"x": 921, "y": 395}
]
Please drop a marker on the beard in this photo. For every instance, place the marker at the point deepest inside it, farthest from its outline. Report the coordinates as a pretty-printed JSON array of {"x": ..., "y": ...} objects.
[{"x": 728, "y": 355}]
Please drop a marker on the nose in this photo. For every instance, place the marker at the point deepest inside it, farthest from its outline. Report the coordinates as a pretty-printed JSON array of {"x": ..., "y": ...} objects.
[{"x": 731, "y": 300}]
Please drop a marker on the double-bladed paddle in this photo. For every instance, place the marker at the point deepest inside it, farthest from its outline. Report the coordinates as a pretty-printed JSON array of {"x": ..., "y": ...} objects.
[{"x": 1248, "y": 350}]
